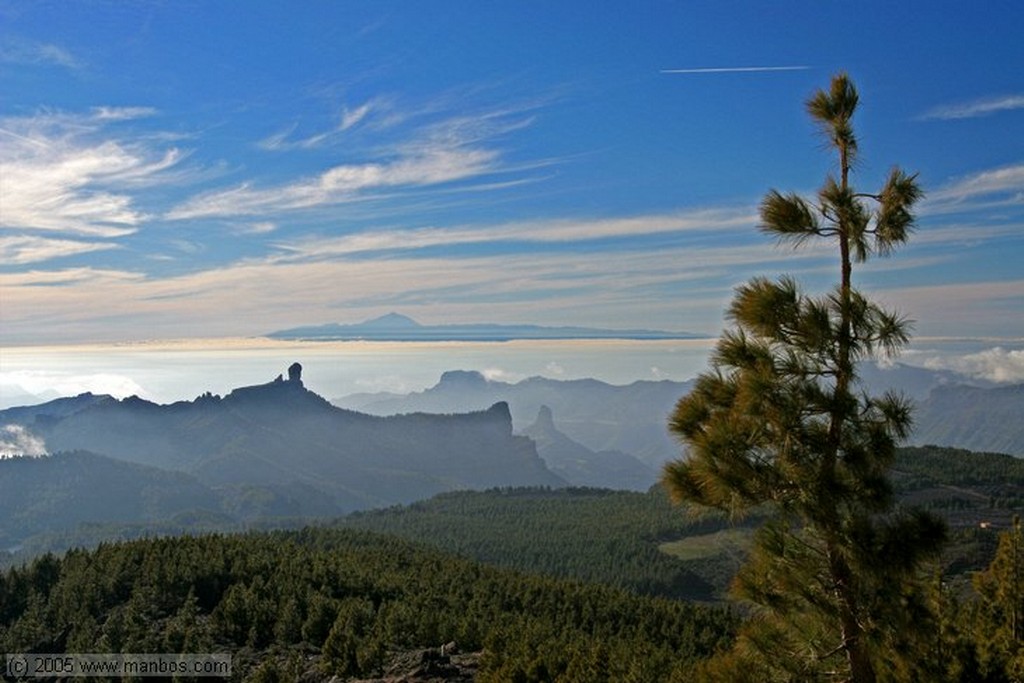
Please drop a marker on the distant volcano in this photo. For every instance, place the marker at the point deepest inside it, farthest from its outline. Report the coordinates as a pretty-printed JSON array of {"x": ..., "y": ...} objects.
[{"x": 397, "y": 327}]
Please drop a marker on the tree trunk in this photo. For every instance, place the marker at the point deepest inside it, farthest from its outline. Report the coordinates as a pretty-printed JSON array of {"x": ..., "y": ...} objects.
[{"x": 861, "y": 668}]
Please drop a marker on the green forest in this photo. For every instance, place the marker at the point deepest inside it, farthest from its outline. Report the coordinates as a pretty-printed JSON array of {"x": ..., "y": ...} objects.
[
  {"x": 610, "y": 537},
  {"x": 618, "y": 537},
  {"x": 341, "y": 602},
  {"x": 323, "y": 601}
]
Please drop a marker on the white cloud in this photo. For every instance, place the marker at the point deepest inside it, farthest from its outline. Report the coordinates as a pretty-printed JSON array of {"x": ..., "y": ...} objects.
[
  {"x": 340, "y": 184},
  {"x": 262, "y": 295},
  {"x": 65, "y": 278},
  {"x": 278, "y": 140},
  {"x": 349, "y": 118},
  {"x": 975, "y": 108},
  {"x": 1007, "y": 179},
  {"x": 554, "y": 368},
  {"x": 542, "y": 231},
  {"x": 995, "y": 364},
  {"x": 122, "y": 113},
  {"x": 500, "y": 375},
  {"x": 23, "y": 249},
  {"x": 677, "y": 266},
  {"x": 256, "y": 228},
  {"x": 423, "y": 146},
  {"x": 986, "y": 308},
  {"x": 68, "y": 173},
  {"x": 15, "y": 440}
]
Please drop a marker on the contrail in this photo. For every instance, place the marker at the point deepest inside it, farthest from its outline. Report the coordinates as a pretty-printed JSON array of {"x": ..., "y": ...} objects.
[{"x": 734, "y": 69}]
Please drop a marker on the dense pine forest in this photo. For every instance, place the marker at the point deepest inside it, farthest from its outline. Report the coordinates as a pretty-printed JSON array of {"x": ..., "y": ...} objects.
[
  {"x": 536, "y": 584},
  {"x": 610, "y": 537},
  {"x": 322, "y": 602}
]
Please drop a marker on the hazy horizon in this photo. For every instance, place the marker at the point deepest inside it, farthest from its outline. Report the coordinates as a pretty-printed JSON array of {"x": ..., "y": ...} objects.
[{"x": 167, "y": 371}]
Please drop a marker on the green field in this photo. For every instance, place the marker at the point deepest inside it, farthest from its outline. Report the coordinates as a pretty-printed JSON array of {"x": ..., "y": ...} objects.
[{"x": 727, "y": 543}]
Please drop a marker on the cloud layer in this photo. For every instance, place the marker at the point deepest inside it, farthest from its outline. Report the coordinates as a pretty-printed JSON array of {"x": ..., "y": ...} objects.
[{"x": 996, "y": 364}]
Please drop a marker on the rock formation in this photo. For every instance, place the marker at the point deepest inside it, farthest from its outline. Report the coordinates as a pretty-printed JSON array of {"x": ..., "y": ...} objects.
[{"x": 295, "y": 373}]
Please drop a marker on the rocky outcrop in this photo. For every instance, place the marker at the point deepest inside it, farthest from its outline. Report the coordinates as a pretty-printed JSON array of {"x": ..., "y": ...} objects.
[{"x": 581, "y": 466}]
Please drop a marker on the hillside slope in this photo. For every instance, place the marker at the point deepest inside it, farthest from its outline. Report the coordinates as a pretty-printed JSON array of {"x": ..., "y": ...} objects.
[{"x": 975, "y": 418}]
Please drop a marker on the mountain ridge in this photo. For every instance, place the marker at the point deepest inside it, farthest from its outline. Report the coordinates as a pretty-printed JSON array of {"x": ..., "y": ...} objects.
[
  {"x": 633, "y": 418},
  {"x": 280, "y": 432}
]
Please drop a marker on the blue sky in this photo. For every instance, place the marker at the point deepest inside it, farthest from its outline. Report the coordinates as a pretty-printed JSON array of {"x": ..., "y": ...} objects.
[{"x": 206, "y": 169}]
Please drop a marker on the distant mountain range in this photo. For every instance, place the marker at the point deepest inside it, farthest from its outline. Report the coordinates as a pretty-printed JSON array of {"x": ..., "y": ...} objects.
[
  {"x": 274, "y": 448},
  {"x": 397, "y": 327},
  {"x": 602, "y": 417},
  {"x": 951, "y": 409},
  {"x": 277, "y": 450}
]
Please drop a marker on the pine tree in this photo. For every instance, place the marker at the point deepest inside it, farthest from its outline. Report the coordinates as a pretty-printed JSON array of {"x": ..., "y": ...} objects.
[
  {"x": 780, "y": 421},
  {"x": 999, "y": 624}
]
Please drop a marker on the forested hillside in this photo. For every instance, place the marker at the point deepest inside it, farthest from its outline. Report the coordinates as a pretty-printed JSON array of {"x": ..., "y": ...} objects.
[
  {"x": 590, "y": 534},
  {"x": 642, "y": 542},
  {"x": 322, "y": 602},
  {"x": 968, "y": 489}
]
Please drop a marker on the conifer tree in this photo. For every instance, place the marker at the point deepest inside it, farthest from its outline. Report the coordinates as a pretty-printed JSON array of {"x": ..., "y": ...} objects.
[
  {"x": 999, "y": 627},
  {"x": 780, "y": 421}
]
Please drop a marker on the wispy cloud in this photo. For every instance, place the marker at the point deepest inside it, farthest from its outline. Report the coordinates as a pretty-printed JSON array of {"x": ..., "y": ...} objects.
[
  {"x": 537, "y": 232},
  {"x": 431, "y": 153},
  {"x": 122, "y": 113},
  {"x": 256, "y": 228},
  {"x": 734, "y": 69},
  {"x": 379, "y": 109},
  {"x": 41, "y": 382},
  {"x": 350, "y": 117},
  {"x": 975, "y": 108},
  {"x": 493, "y": 283},
  {"x": 1006, "y": 180},
  {"x": 23, "y": 249},
  {"x": 988, "y": 308},
  {"x": 685, "y": 277},
  {"x": 25, "y": 52},
  {"x": 69, "y": 173},
  {"x": 340, "y": 184}
]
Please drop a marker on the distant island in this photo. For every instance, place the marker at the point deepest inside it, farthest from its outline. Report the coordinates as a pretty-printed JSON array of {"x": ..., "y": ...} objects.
[{"x": 397, "y": 327}]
